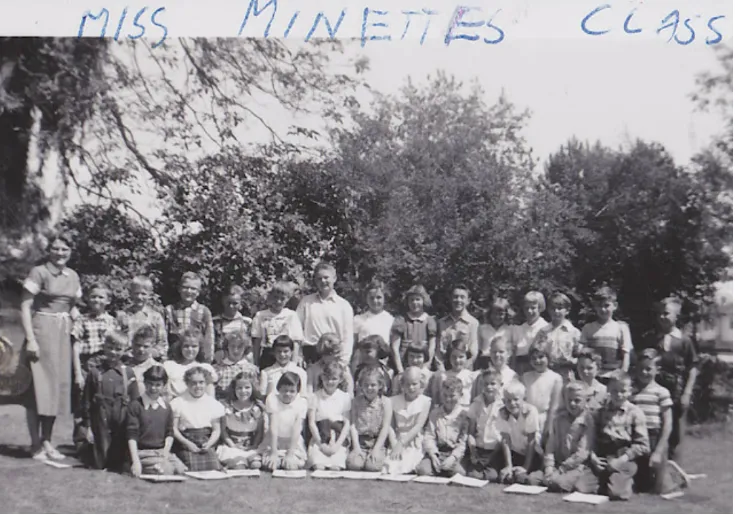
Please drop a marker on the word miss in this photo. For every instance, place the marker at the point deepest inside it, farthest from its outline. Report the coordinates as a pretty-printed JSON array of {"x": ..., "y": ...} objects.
[
  {"x": 680, "y": 29},
  {"x": 134, "y": 27},
  {"x": 466, "y": 23}
]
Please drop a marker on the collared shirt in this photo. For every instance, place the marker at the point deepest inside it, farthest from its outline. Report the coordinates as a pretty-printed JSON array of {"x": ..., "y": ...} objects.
[
  {"x": 485, "y": 417},
  {"x": 446, "y": 432},
  {"x": 524, "y": 334},
  {"x": 268, "y": 326},
  {"x": 195, "y": 316},
  {"x": 140, "y": 369},
  {"x": 130, "y": 321},
  {"x": 595, "y": 394},
  {"x": 507, "y": 375},
  {"x": 466, "y": 376},
  {"x": 368, "y": 323},
  {"x": 196, "y": 412},
  {"x": 653, "y": 399},
  {"x": 451, "y": 328},
  {"x": 89, "y": 332},
  {"x": 330, "y": 315},
  {"x": 678, "y": 358},
  {"x": 570, "y": 440},
  {"x": 611, "y": 340},
  {"x": 270, "y": 376},
  {"x": 517, "y": 430},
  {"x": 418, "y": 330},
  {"x": 224, "y": 326},
  {"x": 149, "y": 403},
  {"x": 561, "y": 343},
  {"x": 54, "y": 290},
  {"x": 621, "y": 431},
  {"x": 486, "y": 332}
]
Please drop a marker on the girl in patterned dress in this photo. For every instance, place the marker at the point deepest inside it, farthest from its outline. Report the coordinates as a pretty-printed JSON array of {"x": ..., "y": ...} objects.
[
  {"x": 329, "y": 421},
  {"x": 410, "y": 413},
  {"x": 286, "y": 409},
  {"x": 197, "y": 426},
  {"x": 243, "y": 425},
  {"x": 370, "y": 421}
]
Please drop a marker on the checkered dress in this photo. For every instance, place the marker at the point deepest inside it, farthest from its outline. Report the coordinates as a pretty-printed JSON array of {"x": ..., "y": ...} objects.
[{"x": 202, "y": 460}]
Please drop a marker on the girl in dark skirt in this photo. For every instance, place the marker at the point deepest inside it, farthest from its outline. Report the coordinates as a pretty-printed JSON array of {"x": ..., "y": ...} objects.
[{"x": 197, "y": 422}]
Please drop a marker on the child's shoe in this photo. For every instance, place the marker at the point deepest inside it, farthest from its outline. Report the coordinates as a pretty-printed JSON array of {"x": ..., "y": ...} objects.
[{"x": 39, "y": 455}]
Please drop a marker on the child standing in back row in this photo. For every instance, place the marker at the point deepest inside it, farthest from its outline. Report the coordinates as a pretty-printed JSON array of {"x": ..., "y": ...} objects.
[
  {"x": 188, "y": 314},
  {"x": 415, "y": 327},
  {"x": 560, "y": 337},
  {"x": 609, "y": 338},
  {"x": 139, "y": 313},
  {"x": 231, "y": 321},
  {"x": 498, "y": 318},
  {"x": 375, "y": 320},
  {"x": 459, "y": 324},
  {"x": 273, "y": 322}
]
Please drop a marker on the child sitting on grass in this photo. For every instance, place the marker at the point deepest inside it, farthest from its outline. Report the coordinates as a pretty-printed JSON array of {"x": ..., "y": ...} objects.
[
  {"x": 197, "y": 426},
  {"x": 588, "y": 364},
  {"x": 150, "y": 428},
  {"x": 621, "y": 438},
  {"x": 329, "y": 420},
  {"x": 410, "y": 413},
  {"x": 457, "y": 357},
  {"x": 108, "y": 390},
  {"x": 543, "y": 388},
  {"x": 376, "y": 320},
  {"x": 568, "y": 447},
  {"x": 519, "y": 428},
  {"x": 484, "y": 441},
  {"x": 329, "y": 350},
  {"x": 243, "y": 425},
  {"x": 283, "y": 347},
  {"x": 235, "y": 348},
  {"x": 286, "y": 411},
  {"x": 414, "y": 356},
  {"x": 369, "y": 421},
  {"x": 445, "y": 436}
]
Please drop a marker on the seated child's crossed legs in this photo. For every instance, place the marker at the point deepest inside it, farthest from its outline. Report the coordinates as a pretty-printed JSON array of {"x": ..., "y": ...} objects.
[{"x": 427, "y": 468}]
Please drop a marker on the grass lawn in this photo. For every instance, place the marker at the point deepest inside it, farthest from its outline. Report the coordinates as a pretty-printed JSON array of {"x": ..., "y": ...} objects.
[{"x": 28, "y": 486}]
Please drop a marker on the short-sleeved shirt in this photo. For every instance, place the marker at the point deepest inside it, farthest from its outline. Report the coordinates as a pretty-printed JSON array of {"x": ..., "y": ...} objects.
[
  {"x": 540, "y": 389},
  {"x": 239, "y": 324},
  {"x": 227, "y": 371},
  {"x": 406, "y": 413},
  {"x": 525, "y": 334},
  {"x": 561, "y": 343},
  {"x": 270, "y": 376},
  {"x": 653, "y": 399},
  {"x": 268, "y": 326},
  {"x": 417, "y": 330},
  {"x": 55, "y": 291},
  {"x": 485, "y": 334},
  {"x": 611, "y": 340},
  {"x": 466, "y": 376},
  {"x": 130, "y": 322},
  {"x": 287, "y": 415},
  {"x": 369, "y": 323},
  {"x": 678, "y": 357},
  {"x": 485, "y": 417},
  {"x": 452, "y": 328},
  {"x": 197, "y": 412},
  {"x": 516, "y": 431},
  {"x": 176, "y": 371},
  {"x": 89, "y": 332},
  {"x": 332, "y": 407}
]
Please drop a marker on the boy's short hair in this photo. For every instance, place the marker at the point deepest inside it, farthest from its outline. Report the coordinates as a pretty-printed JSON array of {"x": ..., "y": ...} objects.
[
  {"x": 560, "y": 298},
  {"x": 539, "y": 347},
  {"x": 155, "y": 374},
  {"x": 142, "y": 282},
  {"x": 190, "y": 276},
  {"x": 515, "y": 388},
  {"x": 333, "y": 369},
  {"x": 490, "y": 374},
  {"x": 418, "y": 290},
  {"x": 283, "y": 341},
  {"x": 323, "y": 265},
  {"x": 369, "y": 371},
  {"x": 289, "y": 379},
  {"x": 417, "y": 348},
  {"x": 283, "y": 287},
  {"x": 649, "y": 355},
  {"x": 237, "y": 336},
  {"x": 329, "y": 344},
  {"x": 669, "y": 301},
  {"x": 619, "y": 377},
  {"x": 55, "y": 236},
  {"x": 573, "y": 387},
  {"x": 535, "y": 297},
  {"x": 461, "y": 286},
  {"x": 234, "y": 291},
  {"x": 588, "y": 353},
  {"x": 453, "y": 384},
  {"x": 499, "y": 339},
  {"x": 100, "y": 287},
  {"x": 145, "y": 332},
  {"x": 604, "y": 294},
  {"x": 116, "y": 338},
  {"x": 191, "y": 372}
]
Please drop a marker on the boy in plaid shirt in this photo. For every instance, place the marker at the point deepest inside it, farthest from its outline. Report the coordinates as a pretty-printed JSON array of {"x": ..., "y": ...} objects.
[
  {"x": 140, "y": 314},
  {"x": 189, "y": 314}
]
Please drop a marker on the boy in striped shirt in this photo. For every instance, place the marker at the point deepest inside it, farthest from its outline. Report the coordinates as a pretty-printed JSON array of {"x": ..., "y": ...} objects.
[{"x": 655, "y": 402}]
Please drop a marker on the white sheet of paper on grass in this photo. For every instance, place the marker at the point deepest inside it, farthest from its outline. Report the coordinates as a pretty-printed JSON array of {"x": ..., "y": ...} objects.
[
  {"x": 289, "y": 474},
  {"x": 208, "y": 474},
  {"x": 327, "y": 474},
  {"x": 432, "y": 480},
  {"x": 162, "y": 478},
  {"x": 243, "y": 473},
  {"x": 517, "y": 488},
  {"x": 399, "y": 478},
  {"x": 359, "y": 474},
  {"x": 58, "y": 465},
  {"x": 459, "y": 479},
  {"x": 586, "y": 498},
  {"x": 696, "y": 476}
]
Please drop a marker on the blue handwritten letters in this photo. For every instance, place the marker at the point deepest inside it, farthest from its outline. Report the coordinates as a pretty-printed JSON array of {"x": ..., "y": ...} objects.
[{"x": 134, "y": 26}]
